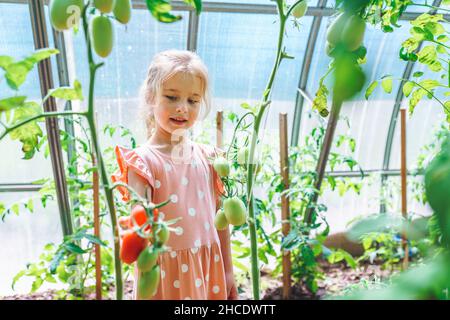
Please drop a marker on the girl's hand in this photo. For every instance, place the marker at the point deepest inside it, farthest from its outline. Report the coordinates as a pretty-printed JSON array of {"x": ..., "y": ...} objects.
[{"x": 232, "y": 293}]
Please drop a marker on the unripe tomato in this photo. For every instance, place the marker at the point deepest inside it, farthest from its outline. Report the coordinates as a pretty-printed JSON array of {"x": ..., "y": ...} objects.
[
  {"x": 122, "y": 11},
  {"x": 65, "y": 14},
  {"x": 353, "y": 32},
  {"x": 163, "y": 234},
  {"x": 147, "y": 259},
  {"x": 102, "y": 35},
  {"x": 235, "y": 211},
  {"x": 336, "y": 28},
  {"x": 242, "y": 156},
  {"x": 148, "y": 283},
  {"x": 222, "y": 167},
  {"x": 300, "y": 9},
  {"x": 132, "y": 246},
  {"x": 104, "y": 6},
  {"x": 220, "y": 220}
]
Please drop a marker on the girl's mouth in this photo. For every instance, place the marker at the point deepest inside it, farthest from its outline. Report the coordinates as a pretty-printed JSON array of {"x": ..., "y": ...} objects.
[{"x": 178, "y": 121}]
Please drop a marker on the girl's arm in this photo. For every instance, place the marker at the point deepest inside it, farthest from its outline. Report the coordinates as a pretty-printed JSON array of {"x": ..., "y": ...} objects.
[{"x": 139, "y": 184}]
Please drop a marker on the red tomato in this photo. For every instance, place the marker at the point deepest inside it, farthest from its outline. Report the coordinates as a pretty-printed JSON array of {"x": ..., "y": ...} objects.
[
  {"x": 132, "y": 246},
  {"x": 140, "y": 216}
]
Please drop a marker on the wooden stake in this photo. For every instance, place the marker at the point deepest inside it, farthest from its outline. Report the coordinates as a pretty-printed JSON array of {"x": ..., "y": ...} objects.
[
  {"x": 403, "y": 173},
  {"x": 98, "y": 266},
  {"x": 284, "y": 169},
  {"x": 219, "y": 129}
]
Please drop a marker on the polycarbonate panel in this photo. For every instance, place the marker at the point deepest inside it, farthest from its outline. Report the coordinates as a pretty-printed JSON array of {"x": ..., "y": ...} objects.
[
  {"x": 16, "y": 39},
  {"x": 421, "y": 126},
  {"x": 240, "y": 62},
  {"x": 343, "y": 209},
  {"x": 118, "y": 81},
  {"x": 310, "y": 2},
  {"x": 369, "y": 119},
  {"x": 23, "y": 238}
]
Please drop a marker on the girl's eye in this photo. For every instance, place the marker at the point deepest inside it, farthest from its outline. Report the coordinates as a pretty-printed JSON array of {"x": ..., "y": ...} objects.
[
  {"x": 171, "y": 98},
  {"x": 193, "y": 101}
]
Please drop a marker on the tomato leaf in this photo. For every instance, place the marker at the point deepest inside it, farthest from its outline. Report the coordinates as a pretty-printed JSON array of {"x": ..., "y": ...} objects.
[
  {"x": 11, "y": 103},
  {"x": 386, "y": 84},
  {"x": 407, "y": 88},
  {"x": 371, "y": 88}
]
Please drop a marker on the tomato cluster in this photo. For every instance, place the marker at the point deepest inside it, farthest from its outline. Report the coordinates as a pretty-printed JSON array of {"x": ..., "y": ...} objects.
[
  {"x": 136, "y": 248},
  {"x": 347, "y": 30},
  {"x": 65, "y": 14}
]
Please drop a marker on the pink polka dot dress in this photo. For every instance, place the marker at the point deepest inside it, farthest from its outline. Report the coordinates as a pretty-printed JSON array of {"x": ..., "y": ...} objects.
[{"x": 193, "y": 266}]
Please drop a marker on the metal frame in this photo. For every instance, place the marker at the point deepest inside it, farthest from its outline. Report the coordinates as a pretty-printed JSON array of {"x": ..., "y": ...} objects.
[{"x": 38, "y": 23}]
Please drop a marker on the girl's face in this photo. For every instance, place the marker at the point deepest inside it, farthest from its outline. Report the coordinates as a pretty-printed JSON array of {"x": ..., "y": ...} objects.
[{"x": 178, "y": 105}]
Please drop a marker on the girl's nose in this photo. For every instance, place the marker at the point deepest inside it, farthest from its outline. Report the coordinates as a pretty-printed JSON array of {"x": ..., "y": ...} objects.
[{"x": 182, "y": 107}]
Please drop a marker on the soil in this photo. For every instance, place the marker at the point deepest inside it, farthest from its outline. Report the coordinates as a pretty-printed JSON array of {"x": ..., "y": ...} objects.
[{"x": 337, "y": 277}]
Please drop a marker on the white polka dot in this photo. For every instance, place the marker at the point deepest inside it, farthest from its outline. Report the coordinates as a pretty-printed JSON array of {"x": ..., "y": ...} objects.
[
  {"x": 198, "y": 283},
  {"x": 194, "y": 164},
  {"x": 216, "y": 289},
  {"x": 157, "y": 184},
  {"x": 163, "y": 274},
  {"x": 192, "y": 212},
  {"x": 194, "y": 250},
  {"x": 162, "y": 215},
  {"x": 200, "y": 194},
  {"x": 184, "y": 181},
  {"x": 184, "y": 268},
  {"x": 209, "y": 245},
  {"x": 207, "y": 277},
  {"x": 207, "y": 225},
  {"x": 174, "y": 198},
  {"x": 167, "y": 167},
  {"x": 176, "y": 284},
  {"x": 216, "y": 258},
  {"x": 173, "y": 254},
  {"x": 179, "y": 231},
  {"x": 197, "y": 243},
  {"x": 188, "y": 298}
]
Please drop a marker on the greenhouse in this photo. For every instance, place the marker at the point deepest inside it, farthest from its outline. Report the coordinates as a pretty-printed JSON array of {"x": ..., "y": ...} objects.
[{"x": 224, "y": 150}]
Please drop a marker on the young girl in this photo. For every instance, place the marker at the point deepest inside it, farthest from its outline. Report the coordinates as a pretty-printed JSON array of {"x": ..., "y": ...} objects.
[{"x": 171, "y": 166}]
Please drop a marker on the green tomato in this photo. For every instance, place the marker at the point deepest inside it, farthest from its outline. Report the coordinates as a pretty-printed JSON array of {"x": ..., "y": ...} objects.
[
  {"x": 353, "y": 32},
  {"x": 122, "y": 11},
  {"x": 102, "y": 35},
  {"x": 334, "y": 31},
  {"x": 147, "y": 259},
  {"x": 220, "y": 220},
  {"x": 300, "y": 9},
  {"x": 163, "y": 234},
  {"x": 148, "y": 283},
  {"x": 65, "y": 14},
  {"x": 104, "y": 6},
  {"x": 222, "y": 167},
  {"x": 242, "y": 156},
  {"x": 235, "y": 211}
]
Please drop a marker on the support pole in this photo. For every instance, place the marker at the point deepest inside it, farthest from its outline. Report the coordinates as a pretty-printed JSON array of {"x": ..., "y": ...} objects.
[
  {"x": 285, "y": 216},
  {"x": 403, "y": 174}
]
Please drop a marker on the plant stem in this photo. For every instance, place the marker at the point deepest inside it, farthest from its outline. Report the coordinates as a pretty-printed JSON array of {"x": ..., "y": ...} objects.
[
  {"x": 100, "y": 163},
  {"x": 42, "y": 115},
  {"x": 250, "y": 167}
]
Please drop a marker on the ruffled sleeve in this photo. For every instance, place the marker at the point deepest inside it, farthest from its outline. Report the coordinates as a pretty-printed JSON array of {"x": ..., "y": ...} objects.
[{"x": 130, "y": 160}]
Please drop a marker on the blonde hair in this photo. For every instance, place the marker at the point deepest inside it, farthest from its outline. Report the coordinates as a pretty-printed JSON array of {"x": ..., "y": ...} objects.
[{"x": 164, "y": 65}]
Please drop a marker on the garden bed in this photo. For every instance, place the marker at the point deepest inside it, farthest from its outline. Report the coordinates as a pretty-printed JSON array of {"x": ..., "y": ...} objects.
[{"x": 337, "y": 277}]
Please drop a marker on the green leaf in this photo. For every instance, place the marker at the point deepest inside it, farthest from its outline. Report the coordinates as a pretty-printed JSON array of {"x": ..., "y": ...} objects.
[
  {"x": 42, "y": 54},
  {"x": 11, "y": 103},
  {"x": 370, "y": 89},
  {"x": 36, "y": 284},
  {"x": 386, "y": 84},
  {"x": 29, "y": 205},
  {"x": 15, "y": 208},
  {"x": 197, "y": 4},
  {"x": 68, "y": 93},
  {"x": 320, "y": 100},
  {"x": 416, "y": 96},
  {"x": 19, "y": 275},
  {"x": 407, "y": 88},
  {"x": 72, "y": 247},
  {"x": 94, "y": 239},
  {"x": 5, "y": 61},
  {"x": 29, "y": 133},
  {"x": 417, "y": 74}
]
